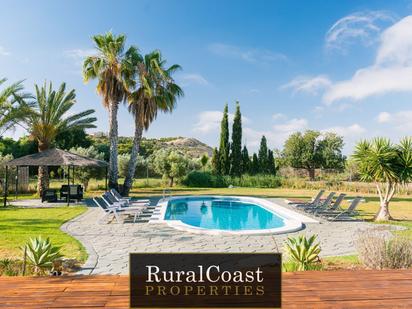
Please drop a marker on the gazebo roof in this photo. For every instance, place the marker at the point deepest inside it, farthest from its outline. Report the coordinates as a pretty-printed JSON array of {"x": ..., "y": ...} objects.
[{"x": 56, "y": 157}]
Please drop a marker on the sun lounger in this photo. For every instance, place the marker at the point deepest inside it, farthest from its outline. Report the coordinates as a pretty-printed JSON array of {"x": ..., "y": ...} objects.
[
  {"x": 345, "y": 213},
  {"x": 335, "y": 206},
  {"x": 316, "y": 200},
  {"x": 115, "y": 210},
  {"x": 112, "y": 201},
  {"x": 126, "y": 200},
  {"x": 322, "y": 204}
]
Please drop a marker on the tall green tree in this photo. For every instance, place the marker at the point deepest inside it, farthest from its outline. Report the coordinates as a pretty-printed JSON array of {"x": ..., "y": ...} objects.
[
  {"x": 204, "y": 160},
  {"x": 255, "y": 166},
  {"x": 114, "y": 72},
  {"x": 156, "y": 91},
  {"x": 51, "y": 115},
  {"x": 245, "y": 161},
  {"x": 216, "y": 161},
  {"x": 271, "y": 167},
  {"x": 311, "y": 150},
  {"x": 236, "y": 145},
  {"x": 263, "y": 156},
  {"x": 14, "y": 105},
  {"x": 224, "y": 147},
  {"x": 386, "y": 165}
]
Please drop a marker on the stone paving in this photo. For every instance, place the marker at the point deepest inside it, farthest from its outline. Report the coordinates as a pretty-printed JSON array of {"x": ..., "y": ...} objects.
[{"x": 109, "y": 245}]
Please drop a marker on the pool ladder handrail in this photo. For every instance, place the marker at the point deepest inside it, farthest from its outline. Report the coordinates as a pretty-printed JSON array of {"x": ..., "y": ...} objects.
[{"x": 166, "y": 193}]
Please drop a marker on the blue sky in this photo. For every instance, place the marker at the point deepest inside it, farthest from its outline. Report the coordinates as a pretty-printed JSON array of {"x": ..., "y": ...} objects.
[{"x": 343, "y": 66}]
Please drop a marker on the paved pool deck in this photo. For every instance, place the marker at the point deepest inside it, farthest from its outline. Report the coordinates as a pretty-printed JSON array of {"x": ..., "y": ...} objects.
[{"x": 109, "y": 245}]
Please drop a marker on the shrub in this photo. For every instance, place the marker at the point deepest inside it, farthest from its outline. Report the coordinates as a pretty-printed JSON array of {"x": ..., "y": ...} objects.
[
  {"x": 303, "y": 253},
  {"x": 256, "y": 181},
  {"x": 204, "y": 179},
  {"x": 9, "y": 267},
  {"x": 377, "y": 252},
  {"x": 41, "y": 254},
  {"x": 207, "y": 179}
]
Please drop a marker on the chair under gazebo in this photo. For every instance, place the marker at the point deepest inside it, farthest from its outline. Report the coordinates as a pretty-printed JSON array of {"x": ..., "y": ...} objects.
[{"x": 54, "y": 157}]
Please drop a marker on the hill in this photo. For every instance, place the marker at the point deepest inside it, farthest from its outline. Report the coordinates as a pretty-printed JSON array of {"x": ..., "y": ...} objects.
[{"x": 188, "y": 145}]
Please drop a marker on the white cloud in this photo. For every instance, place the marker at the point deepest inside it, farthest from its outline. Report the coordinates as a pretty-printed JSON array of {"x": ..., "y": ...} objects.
[
  {"x": 384, "y": 117},
  {"x": 192, "y": 78},
  {"x": 402, "y": 120},
  {"x": 252, "y": 55},
  {"x": 209, "y": 121},
  {"x": 277, "y": 136},
  {"x": 308, "y": 84},
  {"x": 349, "y": 131},
  {"x": 391, "y": 72},
  {"x": 292, "y": 125},
  {"x": 4, "y": 52},
  {"x": 360, "y": 27},
  {"x": 78, "y": 55},
  {"x": 279, "y": 116}
]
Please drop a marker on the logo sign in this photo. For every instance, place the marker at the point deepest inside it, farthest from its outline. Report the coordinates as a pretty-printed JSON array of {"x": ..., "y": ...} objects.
[{"x": 209, "y": 280}]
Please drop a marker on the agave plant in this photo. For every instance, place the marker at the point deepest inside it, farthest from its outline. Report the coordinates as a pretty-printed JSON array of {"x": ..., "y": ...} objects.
[
  {"x": 41, "y": 254},
  {"x": 303, "y": 252}
]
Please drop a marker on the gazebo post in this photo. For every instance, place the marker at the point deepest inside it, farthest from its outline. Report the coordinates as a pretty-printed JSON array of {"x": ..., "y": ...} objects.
[
  {"x": 72, "y": 174},
  {"x": 6, "y": 184},
  {"x": 68, "y": 185},
  {"x": 17, "y": 181}
]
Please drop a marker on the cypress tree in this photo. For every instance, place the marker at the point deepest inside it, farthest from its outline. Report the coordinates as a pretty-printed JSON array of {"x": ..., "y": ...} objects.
[
  {"x": 271, "y": 163},
  {"x": 255, "y": 165},
  {"x": 263, "y": 156},
  {"x": 236, "y": 145},
  {"x": 215, "y": 161},
  {"x": 224, "y": 147},
  {"x": 245, "y": 161}
]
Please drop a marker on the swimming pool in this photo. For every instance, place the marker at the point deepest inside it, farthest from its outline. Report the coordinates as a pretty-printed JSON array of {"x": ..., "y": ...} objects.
[{"x": 234, "y": 215}]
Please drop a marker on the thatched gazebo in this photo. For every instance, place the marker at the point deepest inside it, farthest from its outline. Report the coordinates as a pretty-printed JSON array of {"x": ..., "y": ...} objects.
[{"x": 54, "y": 157}]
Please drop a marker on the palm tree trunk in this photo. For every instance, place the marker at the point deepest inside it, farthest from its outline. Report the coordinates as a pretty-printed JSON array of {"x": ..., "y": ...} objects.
[
  {"x": 43, "y": 172},
  {"x": 113, "y": 138},
  {"x": 131, "y": 168},
  {"x": 383, "y": 214},
  {"x": 43, "y": 180}
]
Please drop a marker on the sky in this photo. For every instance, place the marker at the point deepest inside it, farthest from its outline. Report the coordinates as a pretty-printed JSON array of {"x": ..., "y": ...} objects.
[{"x": 340, "y": 66}]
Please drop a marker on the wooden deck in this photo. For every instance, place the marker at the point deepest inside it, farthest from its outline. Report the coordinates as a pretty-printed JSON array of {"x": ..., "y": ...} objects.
[{"x": 340, "y": 289}]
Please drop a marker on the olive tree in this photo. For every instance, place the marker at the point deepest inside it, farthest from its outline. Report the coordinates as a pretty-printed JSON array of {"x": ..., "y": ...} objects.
[
  {"x": 171, "y": 164},
  {"x": 387, "y": 165},
  {"x": 311, "y": 150},
  {"x": 84, "y": 174}
]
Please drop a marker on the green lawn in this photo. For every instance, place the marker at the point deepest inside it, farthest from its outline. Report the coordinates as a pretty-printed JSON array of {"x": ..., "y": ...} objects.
[{"x": 17, "y": 225}]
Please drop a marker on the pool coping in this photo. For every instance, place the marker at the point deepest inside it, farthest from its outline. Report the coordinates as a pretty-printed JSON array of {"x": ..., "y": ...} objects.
[{"x": 294, "y": 221}]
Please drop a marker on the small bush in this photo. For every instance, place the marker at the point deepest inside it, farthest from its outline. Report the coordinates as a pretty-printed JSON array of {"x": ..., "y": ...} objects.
[
  {"x": 376, "y": 252},
  {"x": 9, "y": 267},
  {"x": 303, "y": 253},
  {"x": 41, "y": 254}
]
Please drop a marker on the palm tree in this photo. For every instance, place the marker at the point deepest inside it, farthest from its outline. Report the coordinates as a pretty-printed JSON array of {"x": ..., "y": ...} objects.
[
  {"x": 156, "y": 91},
  {"x": 50, "y": 115},
  {"x": 13, "y": 105},
  {"x": 386, "y": 165},
  {"x": 114, "y": 72}
]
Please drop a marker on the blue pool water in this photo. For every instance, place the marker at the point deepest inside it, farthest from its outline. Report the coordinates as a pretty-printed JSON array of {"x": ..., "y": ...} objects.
[{"x": 222, "y": 213}]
